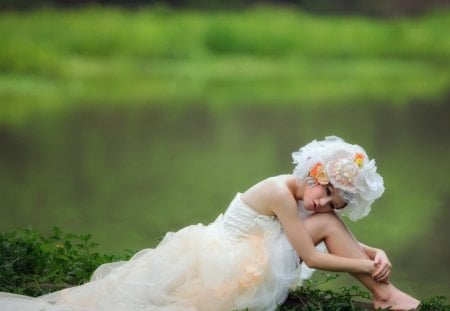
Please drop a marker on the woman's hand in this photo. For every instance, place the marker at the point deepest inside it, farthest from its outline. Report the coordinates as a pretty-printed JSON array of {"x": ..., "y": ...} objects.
[
  {"x": 371, "y": 266},
  {"x": 383, "y": 267}
]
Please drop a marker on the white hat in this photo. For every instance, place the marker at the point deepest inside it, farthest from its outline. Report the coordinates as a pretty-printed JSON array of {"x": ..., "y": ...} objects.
[{"x": 346, "y": 167}]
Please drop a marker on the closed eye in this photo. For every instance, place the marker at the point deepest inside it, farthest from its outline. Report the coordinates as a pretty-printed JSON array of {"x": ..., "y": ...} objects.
[
  {"x": 341, "y": 207},
  {"x": 332, "y": 204}
]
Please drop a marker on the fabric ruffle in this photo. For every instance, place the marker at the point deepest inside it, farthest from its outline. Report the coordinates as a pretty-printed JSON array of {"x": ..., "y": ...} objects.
[{"x": 242, "y": 260}]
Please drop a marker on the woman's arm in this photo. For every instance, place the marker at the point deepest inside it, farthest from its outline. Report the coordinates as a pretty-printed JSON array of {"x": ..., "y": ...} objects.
[
  {"x": 382, "y": 262},
  {"x": 303, "y": 245},
  {"x": 286, "y": 211}
]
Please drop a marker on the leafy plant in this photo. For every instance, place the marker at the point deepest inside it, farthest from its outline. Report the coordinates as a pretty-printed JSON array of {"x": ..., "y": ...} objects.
[
  {"x": 32, "y": 264},
  {"x": 436, "y": 303},
  {"x": 311, "y": 298}
]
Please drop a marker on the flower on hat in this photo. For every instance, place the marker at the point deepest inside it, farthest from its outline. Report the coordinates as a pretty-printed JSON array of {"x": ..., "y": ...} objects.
[
  {"x": 359, "y": 159},
  {"x": 343, "y": 172},
  {"x": 319, "y": 174}
]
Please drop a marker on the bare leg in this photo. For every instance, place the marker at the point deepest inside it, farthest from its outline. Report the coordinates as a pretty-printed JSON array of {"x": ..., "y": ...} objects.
[{"x": 329, "y": 228}]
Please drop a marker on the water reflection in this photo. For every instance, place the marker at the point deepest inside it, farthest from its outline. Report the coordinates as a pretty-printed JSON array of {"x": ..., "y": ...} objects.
[{"x": 128, "y": 175}]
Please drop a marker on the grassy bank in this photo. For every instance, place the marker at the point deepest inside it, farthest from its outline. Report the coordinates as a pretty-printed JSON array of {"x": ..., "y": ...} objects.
[
  {"x": 33, "y": 264},
  {"x": 55, "y": 59}
]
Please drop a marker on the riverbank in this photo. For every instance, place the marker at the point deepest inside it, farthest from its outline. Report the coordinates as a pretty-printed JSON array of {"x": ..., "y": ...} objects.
[
  {"x": 55, "y": 59},
  {"x": 61, "y": 260}
]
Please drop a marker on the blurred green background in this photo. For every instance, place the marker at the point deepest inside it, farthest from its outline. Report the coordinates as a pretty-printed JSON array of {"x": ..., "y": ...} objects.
[{"x": 130, "y": 119}]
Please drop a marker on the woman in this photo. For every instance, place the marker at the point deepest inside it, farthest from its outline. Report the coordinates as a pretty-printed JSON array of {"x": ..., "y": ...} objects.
[{"x": 250, "y": 256}]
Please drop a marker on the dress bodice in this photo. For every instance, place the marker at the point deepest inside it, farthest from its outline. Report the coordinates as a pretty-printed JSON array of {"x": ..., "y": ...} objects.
[{"x": 241, "y": 220}]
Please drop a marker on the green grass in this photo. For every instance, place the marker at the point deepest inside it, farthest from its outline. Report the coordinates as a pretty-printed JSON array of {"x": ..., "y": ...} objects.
[
  {"x": 33, "y": 264},
  {"x": 52, "y": 60}
]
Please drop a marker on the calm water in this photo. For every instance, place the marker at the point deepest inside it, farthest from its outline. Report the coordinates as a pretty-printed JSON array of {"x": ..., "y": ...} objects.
[{"x": 127, "y": 175}]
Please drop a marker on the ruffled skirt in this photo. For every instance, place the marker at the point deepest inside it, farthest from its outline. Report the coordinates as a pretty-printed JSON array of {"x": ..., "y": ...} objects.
[{"x": 197, "y": 268}]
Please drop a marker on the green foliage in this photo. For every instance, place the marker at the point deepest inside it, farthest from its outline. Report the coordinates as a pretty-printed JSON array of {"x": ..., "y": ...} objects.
[
  {"x": 314, "y": 299},
  {"x": 438, "y": 303},
  {"x": 311, "y": 298},
  {"x": 32, "y": 264},
  {"x": 161, "y": 33},
  {"x": 51, "y": 59},
  {"x": 347, "y": 298}
]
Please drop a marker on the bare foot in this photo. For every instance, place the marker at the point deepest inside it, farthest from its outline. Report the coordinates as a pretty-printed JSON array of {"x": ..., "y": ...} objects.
[{"x": 396, "y": 300}]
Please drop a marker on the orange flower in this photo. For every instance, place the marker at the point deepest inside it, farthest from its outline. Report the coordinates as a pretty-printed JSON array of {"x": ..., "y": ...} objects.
[
  {"x": 359, "y": 158},
  {"x": 315, "y": 170},
  {"x": 319, "y": 174}
]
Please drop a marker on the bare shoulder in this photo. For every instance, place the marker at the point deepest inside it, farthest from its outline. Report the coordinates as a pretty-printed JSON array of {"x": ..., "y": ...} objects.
[{"x": 272, "y": 195}]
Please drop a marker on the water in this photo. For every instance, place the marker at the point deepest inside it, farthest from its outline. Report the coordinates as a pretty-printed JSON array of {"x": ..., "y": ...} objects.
[{"x": 128, "y": 175}]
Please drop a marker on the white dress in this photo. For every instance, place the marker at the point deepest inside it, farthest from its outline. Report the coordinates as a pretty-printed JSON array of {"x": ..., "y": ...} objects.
[{"x": 242, "y": 260}]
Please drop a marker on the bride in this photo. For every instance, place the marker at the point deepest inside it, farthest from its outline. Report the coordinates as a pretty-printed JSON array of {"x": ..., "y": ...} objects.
[{"x": 268, "y": 240}]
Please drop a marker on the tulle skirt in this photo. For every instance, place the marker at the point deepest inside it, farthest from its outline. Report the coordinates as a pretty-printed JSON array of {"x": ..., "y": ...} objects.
[{"x": 197, "y": 268}]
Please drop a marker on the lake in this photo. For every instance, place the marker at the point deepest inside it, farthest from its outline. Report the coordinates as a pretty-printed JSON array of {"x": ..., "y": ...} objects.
[{"x": 128, "y": 174}]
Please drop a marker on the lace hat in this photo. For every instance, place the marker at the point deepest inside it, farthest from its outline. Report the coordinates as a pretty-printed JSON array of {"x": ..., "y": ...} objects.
[{"x": 347, "y": 167}]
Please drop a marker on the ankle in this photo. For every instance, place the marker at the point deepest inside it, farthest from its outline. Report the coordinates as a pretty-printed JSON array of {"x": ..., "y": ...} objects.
[{"x": 383, "y": 292}]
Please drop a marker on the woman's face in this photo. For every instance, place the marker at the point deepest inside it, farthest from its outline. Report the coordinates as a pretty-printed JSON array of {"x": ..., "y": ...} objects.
[{"x": 322, "y": 198}]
